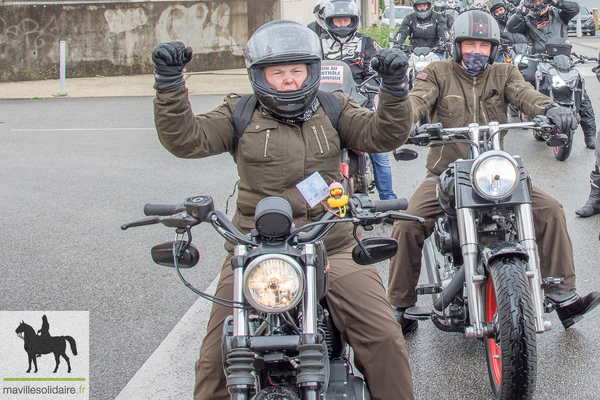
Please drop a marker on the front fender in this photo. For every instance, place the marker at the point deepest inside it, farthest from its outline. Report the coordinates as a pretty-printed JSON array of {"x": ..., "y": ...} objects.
[{"x": 501, "y": 249}]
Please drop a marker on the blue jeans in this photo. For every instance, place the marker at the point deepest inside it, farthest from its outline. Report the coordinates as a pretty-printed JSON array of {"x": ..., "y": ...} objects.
[{"x": 383, "y": 175}]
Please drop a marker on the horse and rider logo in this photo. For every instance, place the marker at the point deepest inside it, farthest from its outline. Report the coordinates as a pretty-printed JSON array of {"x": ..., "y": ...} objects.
[{"x": 40, "y": 343}]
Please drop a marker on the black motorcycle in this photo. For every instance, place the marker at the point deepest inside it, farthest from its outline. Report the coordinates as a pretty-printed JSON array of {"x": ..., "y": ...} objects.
[
  {"x": 558, "y": 78},
  {"x": 481, "y": 260},
  {"x": 280, "y": 342}
]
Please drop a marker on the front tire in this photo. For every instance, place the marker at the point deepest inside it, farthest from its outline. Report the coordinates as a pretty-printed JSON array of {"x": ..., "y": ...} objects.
[
  {"x": 512, "y": 351},
  {"x": 563, "y": 152}
]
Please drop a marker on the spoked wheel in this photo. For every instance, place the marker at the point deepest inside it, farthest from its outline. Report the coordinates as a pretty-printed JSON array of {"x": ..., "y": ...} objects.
[
  {"x": 563, "y": 152},
  {"x": 511, "y": 350}
]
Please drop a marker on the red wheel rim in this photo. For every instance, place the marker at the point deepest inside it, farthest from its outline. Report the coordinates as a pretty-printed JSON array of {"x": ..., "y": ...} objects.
[
  {"x": 491, "y": 308},
  {"x": 557, "y": 149}
]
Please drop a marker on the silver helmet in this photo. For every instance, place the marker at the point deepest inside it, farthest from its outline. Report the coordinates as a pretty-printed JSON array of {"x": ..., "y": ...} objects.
[{"x": 284, "y": 42}]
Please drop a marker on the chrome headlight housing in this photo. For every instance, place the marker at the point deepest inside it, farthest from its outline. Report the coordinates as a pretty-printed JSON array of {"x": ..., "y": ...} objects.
[
  {"x": 494, "y": 175},
  {"x": 274, "y": 283}
]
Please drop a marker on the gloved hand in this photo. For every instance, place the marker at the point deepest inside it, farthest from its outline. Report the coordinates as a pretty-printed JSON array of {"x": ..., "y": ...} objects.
[
  {"x": 392, "y": 64},
  {"x": 523, "y": 10},
  {"x": 562, "y": 117},
  {"x": 169, "y": 60}
]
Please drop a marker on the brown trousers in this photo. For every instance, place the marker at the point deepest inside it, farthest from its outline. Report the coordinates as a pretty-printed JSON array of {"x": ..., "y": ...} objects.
[
  {"x": 360, "y": 310},
  {"x": 554, "y": 245}
]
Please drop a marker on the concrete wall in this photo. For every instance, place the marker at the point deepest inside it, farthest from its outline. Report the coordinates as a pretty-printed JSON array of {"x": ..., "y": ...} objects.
[{"x": 117, "y": 38}]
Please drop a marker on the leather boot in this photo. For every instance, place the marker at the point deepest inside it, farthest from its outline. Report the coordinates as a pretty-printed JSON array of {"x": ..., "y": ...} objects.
[
  {"x": 590, "y": 140},
  {"x": 574, "y": 312},
  {"x": 593, "y": 204},
  {"x": 408, "y": 325}
]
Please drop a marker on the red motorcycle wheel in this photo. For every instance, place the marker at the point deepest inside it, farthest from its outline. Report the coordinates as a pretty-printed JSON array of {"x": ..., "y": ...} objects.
[{"x": 491, "y": 310}]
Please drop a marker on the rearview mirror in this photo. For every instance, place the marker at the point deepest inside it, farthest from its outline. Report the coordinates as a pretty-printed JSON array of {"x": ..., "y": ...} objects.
[
  {"x": 162, "y": 254},
  {"x": 379, "y": 249},
  {"x": 405, "y": 154},
  {"x": 557, "y": 141}
]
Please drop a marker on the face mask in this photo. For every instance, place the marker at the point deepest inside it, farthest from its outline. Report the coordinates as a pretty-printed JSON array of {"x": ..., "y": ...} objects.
[{"x": 474, "y": 63}]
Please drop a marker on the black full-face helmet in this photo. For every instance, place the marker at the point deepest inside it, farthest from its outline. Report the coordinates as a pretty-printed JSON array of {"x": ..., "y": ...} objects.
[
  {"x": 341, "y": 9},
  {"x": 475, "y": 25},
  {"x": 422, "y": 14},
  {"x": 277, "y": 43},
  {"x": 496, "y": 4},
  {"x": 537, "y": 10}
]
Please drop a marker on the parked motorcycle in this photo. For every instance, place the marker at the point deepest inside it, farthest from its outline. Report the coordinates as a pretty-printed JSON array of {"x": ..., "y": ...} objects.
[
  {"x": 356, "y": 166},
  {"x": 280, "y": 342},
  {"x": 482, "y": 262},
  {"x": 558, "y": 78}
]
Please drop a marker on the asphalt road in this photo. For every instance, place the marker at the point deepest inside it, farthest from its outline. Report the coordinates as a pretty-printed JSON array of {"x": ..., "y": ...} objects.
[{"x": 73, "y": 170}]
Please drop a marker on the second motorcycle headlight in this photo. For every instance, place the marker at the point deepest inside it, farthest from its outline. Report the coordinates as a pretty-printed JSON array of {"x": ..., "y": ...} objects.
[
  {"x": 495, "y": 176},
  {"x": 273, "y": 283}
]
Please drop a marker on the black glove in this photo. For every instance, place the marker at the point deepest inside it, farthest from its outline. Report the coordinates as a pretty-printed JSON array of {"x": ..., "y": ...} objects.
[
  {"x": 523, "y": 10},
  {"x": 169, "y": 60},
  {"x": 392, "y": 64},
  {"x": 563, "y": 118}
]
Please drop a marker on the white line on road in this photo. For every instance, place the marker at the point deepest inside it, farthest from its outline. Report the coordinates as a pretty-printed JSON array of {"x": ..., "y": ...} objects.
[
  {"x": 168, "y": 374},
  {"x": 82, "y": 129}
]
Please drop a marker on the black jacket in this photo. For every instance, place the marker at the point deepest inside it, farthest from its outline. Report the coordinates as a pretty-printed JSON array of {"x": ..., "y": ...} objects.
[
  {"x": 539, "y": 30},
  {"x": 423, "y": 32}
]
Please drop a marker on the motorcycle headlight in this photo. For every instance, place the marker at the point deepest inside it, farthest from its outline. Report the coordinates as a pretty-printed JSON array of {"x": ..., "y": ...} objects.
[
  {"x": 273, "y": 283},
  {"x": 495, "y": 176},
  {"x": 558, "y": 82}
]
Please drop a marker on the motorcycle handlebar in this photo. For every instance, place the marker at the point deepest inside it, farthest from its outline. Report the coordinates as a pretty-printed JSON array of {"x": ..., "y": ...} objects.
[
  {"x": 390, "y": 205},
  {"x": 160, "y": 209}
]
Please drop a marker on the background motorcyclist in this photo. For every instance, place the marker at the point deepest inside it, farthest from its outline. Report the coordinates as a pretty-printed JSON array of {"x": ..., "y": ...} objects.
[
  {"x": 343, "y": 42},
  {"x": 540, "y": 20},
  {"x": 441, "y": 90},
  {"x": 592, "y": 206},
  {"x": 278, "y": 150},
  {"x": 441, "y": 7},
  {"x": 318, "y": 25},
  {"x": 500, "y": 9},
  {"x": 423, "y": 27}
]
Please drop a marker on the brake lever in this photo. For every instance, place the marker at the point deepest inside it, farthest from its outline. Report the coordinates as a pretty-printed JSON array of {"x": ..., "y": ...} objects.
[{"x": 398, "y": 216}]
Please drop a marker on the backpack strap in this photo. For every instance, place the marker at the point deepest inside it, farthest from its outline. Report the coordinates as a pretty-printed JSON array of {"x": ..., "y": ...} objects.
[
  {"x": 241, "y": 117},
  {"x": 245, "y": 108},
  {"x": 332, "y": 107}
]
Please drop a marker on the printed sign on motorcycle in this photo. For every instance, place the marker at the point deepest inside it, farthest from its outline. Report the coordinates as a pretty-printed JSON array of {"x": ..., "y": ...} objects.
[
  {"x": 332, "y": 74},
  {"x": 45, "y": 354}
]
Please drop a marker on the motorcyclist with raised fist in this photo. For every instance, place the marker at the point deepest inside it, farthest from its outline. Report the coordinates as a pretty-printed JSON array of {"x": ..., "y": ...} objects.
[{"x": 289, "y": 139}]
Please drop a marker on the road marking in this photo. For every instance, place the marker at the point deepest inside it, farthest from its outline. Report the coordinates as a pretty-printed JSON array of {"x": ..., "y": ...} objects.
[
  {"x": 168, "y": 374},
  {"x": 82, "y": 129}
]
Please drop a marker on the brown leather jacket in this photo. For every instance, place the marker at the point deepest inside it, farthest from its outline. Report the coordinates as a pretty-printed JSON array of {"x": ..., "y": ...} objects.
[
  {"x": 273, "y": 156},
  {"x": 456, "y": 99}
]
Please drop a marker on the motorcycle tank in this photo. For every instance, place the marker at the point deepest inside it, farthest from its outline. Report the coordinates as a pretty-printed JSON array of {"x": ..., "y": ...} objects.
[{"x": 445, "y": 192}]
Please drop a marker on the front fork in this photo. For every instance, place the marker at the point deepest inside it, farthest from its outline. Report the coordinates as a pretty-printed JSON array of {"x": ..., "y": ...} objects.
[
  {"x": 527, "y": 240},
  {"x": 311, "y": 370},
  {"x": 474, "y": 281}
]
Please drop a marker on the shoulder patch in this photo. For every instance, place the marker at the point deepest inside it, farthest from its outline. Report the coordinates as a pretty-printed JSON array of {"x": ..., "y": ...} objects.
[{"x": 422, "y": 75}]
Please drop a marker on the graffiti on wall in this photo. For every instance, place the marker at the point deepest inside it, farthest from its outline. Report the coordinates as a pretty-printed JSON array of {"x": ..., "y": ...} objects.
[
  {"x": 28, "y": 40},
  {"x": 125, "y": 20},
  {"x": 198, "y": 27}
]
